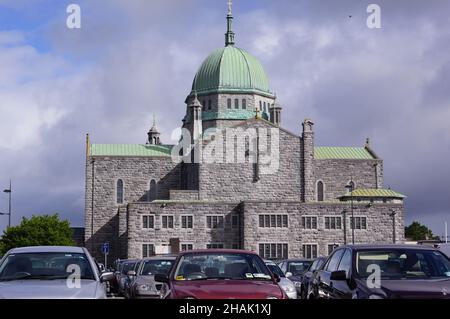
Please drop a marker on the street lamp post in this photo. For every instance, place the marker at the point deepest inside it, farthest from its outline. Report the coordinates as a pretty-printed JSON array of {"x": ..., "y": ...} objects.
[
  {"x": 9, "y": 192},
  {"x": 344, "y": 212},
  {"x": 392, "y": 214},
  {"x": 351, "y": 186}
]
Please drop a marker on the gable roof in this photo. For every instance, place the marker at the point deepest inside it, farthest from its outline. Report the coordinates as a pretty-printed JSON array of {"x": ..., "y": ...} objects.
[
  {"x": 326, "y": 152},
  {"x": 131, "y": 150}
]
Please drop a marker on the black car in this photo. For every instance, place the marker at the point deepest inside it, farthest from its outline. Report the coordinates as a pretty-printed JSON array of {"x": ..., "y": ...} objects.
[
  {"x": 309, "y": 275},
  {"x": 294, "y": 270},
  {"x": 383, "y": 272}
]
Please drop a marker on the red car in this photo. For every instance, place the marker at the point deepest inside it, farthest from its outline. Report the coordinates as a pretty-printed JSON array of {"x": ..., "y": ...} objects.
[{"x": 220, "y": 274}]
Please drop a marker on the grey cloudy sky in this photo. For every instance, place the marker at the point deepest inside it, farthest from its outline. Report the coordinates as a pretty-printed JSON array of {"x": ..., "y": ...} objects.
[{"x": 134, "y": 58}]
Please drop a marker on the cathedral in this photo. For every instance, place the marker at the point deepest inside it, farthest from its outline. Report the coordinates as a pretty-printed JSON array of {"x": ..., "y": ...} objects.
[{"x": 237, "y": 179}]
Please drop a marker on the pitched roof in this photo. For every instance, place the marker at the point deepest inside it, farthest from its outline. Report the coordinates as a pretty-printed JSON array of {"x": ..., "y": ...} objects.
[
  {"x": 131, "y": 150},
  {"x": 322, "y": 152},
  {"x": 374, "y": 193}
]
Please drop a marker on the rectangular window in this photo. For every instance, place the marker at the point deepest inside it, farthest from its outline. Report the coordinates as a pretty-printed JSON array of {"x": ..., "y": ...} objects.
[
  {"x": 148, "y": 250},
  {"x": 167, "y": 221},
  {"x": 234, "y": 221},
  {"x": 273, "y": 221},
  {"x": 310, "y": 251},
  {"x": 333, "y": 222},
  {"x": 273, "y": 251},
  {"x": 309, "y": 222},
  {"x": 187, "y": 221},
  {"x": 213, "y": 222},
  {"x": 148, "y": 221},
  {"x": 185, "y": 247},
  {"x": 214, "y": 246},
  {"x": 358, "y": 222}
]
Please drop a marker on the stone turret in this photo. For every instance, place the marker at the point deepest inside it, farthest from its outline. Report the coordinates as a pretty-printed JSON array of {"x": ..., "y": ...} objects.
[
  {"x": 275, "y": 113},
  {"x": 154, "y": 135},
  {"x": 307, "y": 167}
]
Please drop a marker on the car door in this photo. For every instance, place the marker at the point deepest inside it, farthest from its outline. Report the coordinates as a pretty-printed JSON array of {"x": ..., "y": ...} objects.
[
  {"x": 324, "y": 284},
  {"x": 340, "y": 289}
]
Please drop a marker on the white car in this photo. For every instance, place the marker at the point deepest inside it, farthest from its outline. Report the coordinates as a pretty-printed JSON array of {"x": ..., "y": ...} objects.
[
  {"x": 51, "y": 272},
  {"x": 285, "y": 283}
]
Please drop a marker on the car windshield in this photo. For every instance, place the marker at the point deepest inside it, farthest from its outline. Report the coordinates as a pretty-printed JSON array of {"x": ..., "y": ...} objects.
[
  {"x": 221, "y": 266},
  {"x": 127, "y": 266},
  {"x": 298, "y": 267},
  {"x": 402, "y": 264},
  {"x": 152, "y": 267},
  {"x": 55, "y": 265},
  {"x": 275, "y": 270}
]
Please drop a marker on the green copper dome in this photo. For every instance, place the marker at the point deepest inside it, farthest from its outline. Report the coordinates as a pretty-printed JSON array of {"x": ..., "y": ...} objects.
[{"x": 231, "y": 70}]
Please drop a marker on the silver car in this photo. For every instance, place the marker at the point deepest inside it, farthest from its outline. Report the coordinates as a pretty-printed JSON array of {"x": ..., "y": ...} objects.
[
  {"x": 286, "y": 284},
  {"x": 143, "y": 284},
  {"x": 51, "y": 272}
]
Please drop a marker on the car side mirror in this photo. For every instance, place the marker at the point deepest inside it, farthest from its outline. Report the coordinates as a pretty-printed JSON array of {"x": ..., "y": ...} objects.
[
  {"x": 277, "y": 278},
  {"x": 106, "y": 276},
  {"x": 288, "y": 274},
  {"x": 162, "y": 278},
  {"x": 131, "y": 273},
  {"x": 339, "y": 275}
]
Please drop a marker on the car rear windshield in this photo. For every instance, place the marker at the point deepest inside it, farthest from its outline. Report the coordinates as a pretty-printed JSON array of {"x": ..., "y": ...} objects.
[
  {"x": 55, "y": 265},
  {"x": 276, "y": 270},
  {"x": 153, "y": 267},
  {"x": 403, "y": 263},
  {"x": 221, "y": 266}
]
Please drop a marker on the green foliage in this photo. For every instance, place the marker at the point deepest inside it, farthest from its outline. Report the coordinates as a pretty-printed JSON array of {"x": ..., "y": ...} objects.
[
  {"x": 46, "y": 230},
  {"x": 417, "y": 231}
]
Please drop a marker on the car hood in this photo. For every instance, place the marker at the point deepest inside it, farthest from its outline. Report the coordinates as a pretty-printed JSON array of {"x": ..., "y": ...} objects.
[
  {"x": 415, "y": 288},
  {"x": 49, "y": 289},
  {"x": 227, "y": 289}
]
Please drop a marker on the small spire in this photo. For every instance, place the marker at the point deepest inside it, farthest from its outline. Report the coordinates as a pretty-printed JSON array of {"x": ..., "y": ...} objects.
[
  {"x": 367, "y": 142},
  {"x": 154, "y": 120},
  {"x": 229, "y": 36}
]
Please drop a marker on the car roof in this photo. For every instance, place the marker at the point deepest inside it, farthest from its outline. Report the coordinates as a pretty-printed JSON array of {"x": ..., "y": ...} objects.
[
  {"x": 215, "y": 251},
  {"x": 161, "y": 257},
  {"x": 387, "y": 246},
  {"x": 47, "y": 249},
  {"x": 296, "y": 259}
]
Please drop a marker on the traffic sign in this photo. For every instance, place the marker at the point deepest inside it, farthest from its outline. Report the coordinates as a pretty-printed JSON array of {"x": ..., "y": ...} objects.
[{"x": 105, "y": 248}]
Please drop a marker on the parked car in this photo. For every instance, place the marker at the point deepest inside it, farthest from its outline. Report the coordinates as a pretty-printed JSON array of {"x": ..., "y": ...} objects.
[
  {"x": 220, "y": 274},
  {"x": 294, "y": 270},
  {"x": 143, "y": 284},
  {"x": 286, "y": 284},
  {"x": 123, "y": 278},
  {"x": 309, "y": 275},
  {"x": 383, "y": 272},
  {"x": 50, "y": 272}
]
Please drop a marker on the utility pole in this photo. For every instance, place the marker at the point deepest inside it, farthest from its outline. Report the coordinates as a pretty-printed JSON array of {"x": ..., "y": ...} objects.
[
  {"x": 446, "y": 233},
  {"x": 8, "y": 191},
  {"x": 344, "y": 213}
]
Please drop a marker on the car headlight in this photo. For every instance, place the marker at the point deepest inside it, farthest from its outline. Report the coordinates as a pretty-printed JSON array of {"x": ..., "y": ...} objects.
[
  {"x": 289, "y": 288},
  {"x": 144, "y": 287},
  {"x": 375, "y": 297}
]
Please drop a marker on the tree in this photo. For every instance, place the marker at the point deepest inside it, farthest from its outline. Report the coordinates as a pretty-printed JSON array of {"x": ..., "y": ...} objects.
[
  {"x": 46, "y": 230},
  {"x": 417, "y": 231}
]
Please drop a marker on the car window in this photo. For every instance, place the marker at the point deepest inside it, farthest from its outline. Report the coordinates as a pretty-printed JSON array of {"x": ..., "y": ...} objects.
[
  {"x": 346, "y": 262},
  {"x": 276, "y": 270},
  {"x": 45, "y": 265},
  {"x": 298, "y": 267},
  {"x": 333, "y": 262},
  {"x": 152, "y": 267},
  {"x": 314, "y": 265}
]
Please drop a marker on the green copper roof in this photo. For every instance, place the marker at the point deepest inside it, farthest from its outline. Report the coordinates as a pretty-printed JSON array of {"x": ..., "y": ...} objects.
[
  {"x": 232, "y": 70},
  {"x": 342, "y": 153},
  {"x": 130, "y": 150},
  {"x": 374, "y": 193},
  {"x": 226, "y": 115}
]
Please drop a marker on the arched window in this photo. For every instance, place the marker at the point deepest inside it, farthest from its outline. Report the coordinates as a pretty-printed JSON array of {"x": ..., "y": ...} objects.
[
  {"x": 260, "y": 106},
  {"x": 244, "y": 104},
  {"x": 320, "y": 195},
  {"x": 265, "y": 107},
  {"x": 229, "y": 103},
  {"x": 350, "y": 186},
  {"x": 209, "y": 104},
  {"x": 119, "y": 194},
  {"x": 152, "y": 192},
  {"x": 236, "y": 103}
]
